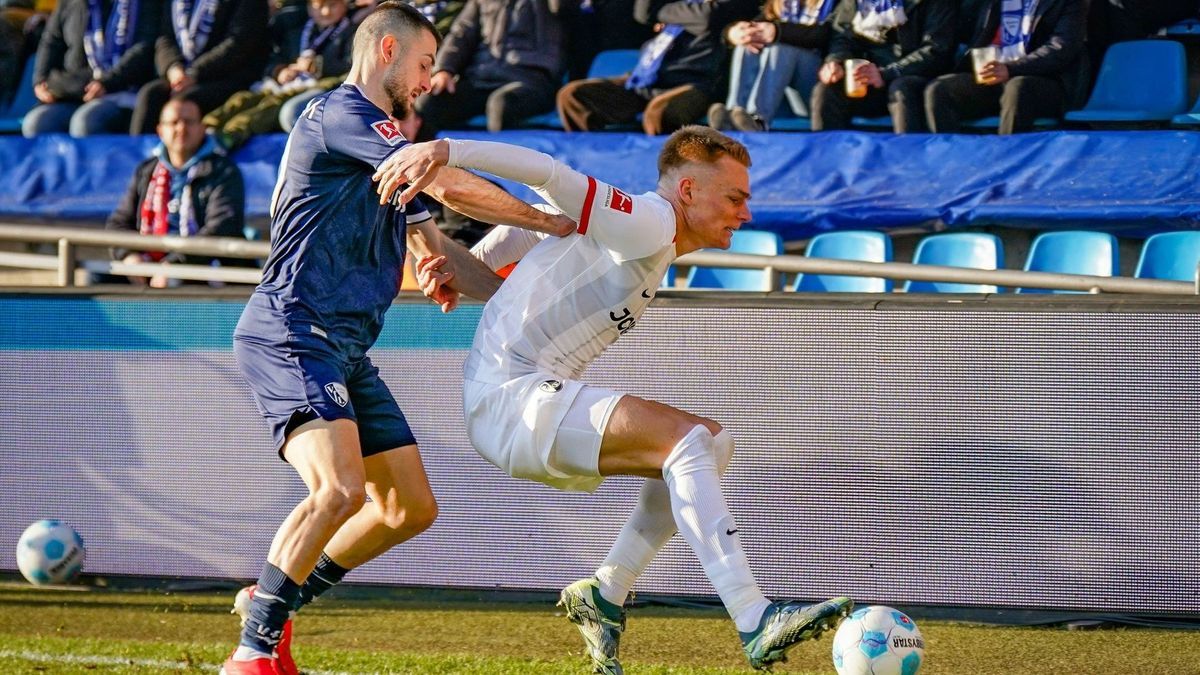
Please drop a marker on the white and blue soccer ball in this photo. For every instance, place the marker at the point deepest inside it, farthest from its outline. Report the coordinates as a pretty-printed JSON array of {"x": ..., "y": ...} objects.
[
  {"x": 50, "y": 552},
  {"x": 878, "y": 640}
]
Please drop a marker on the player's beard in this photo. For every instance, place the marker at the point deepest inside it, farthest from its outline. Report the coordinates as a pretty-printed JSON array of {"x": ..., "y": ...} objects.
[{"x": 398, "y": 91}]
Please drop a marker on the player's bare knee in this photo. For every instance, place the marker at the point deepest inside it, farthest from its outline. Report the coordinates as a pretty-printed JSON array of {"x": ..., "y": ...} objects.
[
  {"x": 340, "y": 501},
  {"x": 410, "y": 518}
]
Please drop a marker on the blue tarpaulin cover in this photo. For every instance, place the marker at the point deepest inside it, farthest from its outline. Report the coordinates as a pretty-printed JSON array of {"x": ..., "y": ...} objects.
[{"x": 1131, "y": 182}]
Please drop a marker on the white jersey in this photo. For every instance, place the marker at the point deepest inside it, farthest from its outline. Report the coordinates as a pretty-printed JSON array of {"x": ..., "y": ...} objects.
[{"x": 571, "y": 297}]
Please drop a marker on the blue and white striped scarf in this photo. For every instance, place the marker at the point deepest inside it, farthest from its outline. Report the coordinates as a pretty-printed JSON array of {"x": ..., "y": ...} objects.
[
  {"x": 875, "y": 18},
  {"x": 104, "y": 45},
  {"x": 193, "y": 24},
  {"x": 1016, "y": 27},
  {"x": 645, "y": 73},
  {"x": 311, "y": 44},
  {"x": 798, "y": 11}
]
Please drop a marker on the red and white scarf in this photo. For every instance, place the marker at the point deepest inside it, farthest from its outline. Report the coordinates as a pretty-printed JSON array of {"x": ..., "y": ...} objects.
[{"x": 156, "y": 207}]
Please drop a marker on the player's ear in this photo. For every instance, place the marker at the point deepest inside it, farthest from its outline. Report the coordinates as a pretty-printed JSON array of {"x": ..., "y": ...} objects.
[
  {"x": 686, "y": 187},
  {"x": 387, "y": 48}
]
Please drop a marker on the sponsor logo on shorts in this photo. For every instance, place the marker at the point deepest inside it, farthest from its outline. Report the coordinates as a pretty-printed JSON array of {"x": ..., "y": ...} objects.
[
  {"x": 550, "y": 386},
  {"x": 337, "y": 393},
  {"x": 619, "y": 201},
  {"x": 387, "y": 131}
]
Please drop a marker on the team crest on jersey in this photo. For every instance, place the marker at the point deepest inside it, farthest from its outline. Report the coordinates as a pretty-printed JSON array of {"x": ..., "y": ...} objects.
[
  {"x": 619, "y": 201},
  {"x": 550, "y": 386},
  {"x": 388, "y": 131},
  {"x": 337, "y": 393}
]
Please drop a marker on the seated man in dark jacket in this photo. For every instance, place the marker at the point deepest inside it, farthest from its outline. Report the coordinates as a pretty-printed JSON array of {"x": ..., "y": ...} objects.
[
  {"x": 1041, "y": 69},
  {"x": 675, "y": 78},
  {"x": 207, "y": 49},
  {"x": 901, "y": 45},
  {"x": 91, "y": 59},
  {"x": 187, "y": 189},
  {"x": 503, "y": 58}
]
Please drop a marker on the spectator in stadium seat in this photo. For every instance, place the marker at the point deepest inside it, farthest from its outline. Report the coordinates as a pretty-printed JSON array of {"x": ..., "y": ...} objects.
[
  {"x": 306, "y": 62},
  {"x": 1042, "y": 70},
  {"x": 677, "y": 74},
  {"x": 208, "y": 50},
  {"x": 775, "y": 55},
  {"x": 1112, "y": 21},
  {"x": 593, "y": 26},
  {"x": 91, "y": 59},
  {"x": 502, "y": 58},
  {"x": 188, "y": 188},
  {"x": 905, "y": 43}
]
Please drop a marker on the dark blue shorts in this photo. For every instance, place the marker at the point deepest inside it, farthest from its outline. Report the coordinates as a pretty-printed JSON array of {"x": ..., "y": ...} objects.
[{"x": 304, "y": 379}]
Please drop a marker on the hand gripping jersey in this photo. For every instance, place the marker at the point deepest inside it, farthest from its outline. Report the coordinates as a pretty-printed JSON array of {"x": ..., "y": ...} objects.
[{"x": 570, "y": 297}]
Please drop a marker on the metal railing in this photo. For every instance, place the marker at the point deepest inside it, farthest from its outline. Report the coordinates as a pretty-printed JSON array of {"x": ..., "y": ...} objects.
[{"x": 69, "y": 239}]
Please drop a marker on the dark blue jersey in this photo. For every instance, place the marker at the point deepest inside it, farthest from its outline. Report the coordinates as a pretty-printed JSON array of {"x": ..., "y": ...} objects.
[{"x": 337, "y": 255}]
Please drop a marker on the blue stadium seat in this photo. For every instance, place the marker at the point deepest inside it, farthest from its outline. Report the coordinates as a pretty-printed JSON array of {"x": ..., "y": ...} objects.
[
  {"x": 757, "y": 242},
  {"x": 608, "y": 63},
  {"x": 883, "y": 122},
  {"x": 1139, "y": 81},
  {"x": 1170, "y": 255},
  {"x": 1041, "y": 123},
  {"x": 1190, "y": 118},
  {"x": 1072, "y": 252},
  {"x": 23, "y": 101},
  {"x": 976, "y": 250},
  {"x": 668, "y": 278},
  {"x": 847, "y": 245}
]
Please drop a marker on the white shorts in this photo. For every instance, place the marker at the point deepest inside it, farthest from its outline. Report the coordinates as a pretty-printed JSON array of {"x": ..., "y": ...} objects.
[{"x": 541, "y": 427}]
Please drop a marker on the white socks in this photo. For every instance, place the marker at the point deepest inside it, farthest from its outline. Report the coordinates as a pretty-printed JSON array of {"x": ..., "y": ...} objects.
[{"x": 690, "y": 499}]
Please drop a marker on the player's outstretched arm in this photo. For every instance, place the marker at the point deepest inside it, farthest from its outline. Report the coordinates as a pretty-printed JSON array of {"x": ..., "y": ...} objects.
[
  {"x": 483, "y": 200},
  {"x": 445, "y": 268},
  {"x": 420, "y": 163}
]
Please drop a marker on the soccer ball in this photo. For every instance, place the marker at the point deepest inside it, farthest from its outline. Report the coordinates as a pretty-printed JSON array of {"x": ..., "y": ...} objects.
[
  {"x": 49, "y": 552},
  {"x": 878, "y": 640}
]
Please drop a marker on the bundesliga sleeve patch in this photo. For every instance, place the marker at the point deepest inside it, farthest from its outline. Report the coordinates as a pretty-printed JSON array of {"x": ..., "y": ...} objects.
[
  {"x": 619, "y": 201},
  {"x": 388, "y": 131}
]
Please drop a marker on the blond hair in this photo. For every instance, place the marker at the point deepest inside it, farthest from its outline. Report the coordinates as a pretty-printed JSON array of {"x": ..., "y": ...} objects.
[{"x": 695, "y": 144}]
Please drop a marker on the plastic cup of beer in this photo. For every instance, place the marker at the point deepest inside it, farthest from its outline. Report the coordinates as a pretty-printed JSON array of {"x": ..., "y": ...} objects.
[
  {"x": 980, "y": 57},
  {"x": 853, "y": 88}
]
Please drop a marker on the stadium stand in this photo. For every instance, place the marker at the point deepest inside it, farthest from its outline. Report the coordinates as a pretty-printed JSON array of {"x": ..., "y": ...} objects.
[
  {"x": 1139, "y": 81},
  {"x": 804, "y": 184},
  {"x": 1170, "y": 255},
  {"x": 958, "y": 249},
  {"x": 1072, "y": 252},
  {"x": 847, "y": 245},
  {"x": 757, "y": 242},
  {"x": 608, "y": 63}
]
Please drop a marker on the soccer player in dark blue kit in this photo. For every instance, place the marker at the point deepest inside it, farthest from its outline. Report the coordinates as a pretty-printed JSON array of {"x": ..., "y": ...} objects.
[{"x": 335, "y": 266}]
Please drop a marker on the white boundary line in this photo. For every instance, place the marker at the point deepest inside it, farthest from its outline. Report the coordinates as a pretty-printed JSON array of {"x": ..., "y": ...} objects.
[{"x": 96, "y": 660}]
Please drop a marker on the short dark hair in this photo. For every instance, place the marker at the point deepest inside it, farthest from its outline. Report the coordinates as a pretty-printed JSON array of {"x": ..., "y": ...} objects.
[
  {"x": 183, "y": 97},
  {"x": 392, "y": 17},
  {"x": 702, "y": 145}
]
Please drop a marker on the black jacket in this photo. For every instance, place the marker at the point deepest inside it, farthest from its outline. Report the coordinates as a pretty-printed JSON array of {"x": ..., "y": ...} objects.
[
  {"x": 62, "y": 62},
  {"x": 697, "y": 54},
  {"x": 236, "y": 50},
  {"x": 1056, "y": 46},
  {"x": 218, "y": 201},
  {"x": 333, "y": 58},
  {"x": 923, "y": 45},
  {"x": 492, "y": 37}
]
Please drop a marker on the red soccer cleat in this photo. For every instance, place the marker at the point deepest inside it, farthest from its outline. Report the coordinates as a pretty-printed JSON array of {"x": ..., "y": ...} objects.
[
  {"x": 263, "y": 666},
  {"x": 284, "y": 664}
]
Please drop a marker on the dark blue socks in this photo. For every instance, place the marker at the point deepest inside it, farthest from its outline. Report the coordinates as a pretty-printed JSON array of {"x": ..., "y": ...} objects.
[{"x": 275, "y": 596}]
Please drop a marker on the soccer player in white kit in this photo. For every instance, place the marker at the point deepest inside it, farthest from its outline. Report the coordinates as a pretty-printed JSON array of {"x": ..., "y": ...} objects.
[{"x": 567, "y": 301}]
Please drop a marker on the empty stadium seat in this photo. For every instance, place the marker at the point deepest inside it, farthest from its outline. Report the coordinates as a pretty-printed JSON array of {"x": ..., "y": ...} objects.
[
  {"x": 1139, "y": 81},
  {"x": 976, "y": 250},
  {"x": 1170, "y": 255},
  {"x": 1072, "y": 252},
  {"x": 668, "y": 278},
  {"x": 1190, "y": 118},
  {"x": 1041, "y": 123},
  {"x": 847, "y": 245},
  {"x": 23, "y": 101},
  {"x": 757, "y": 242}
]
